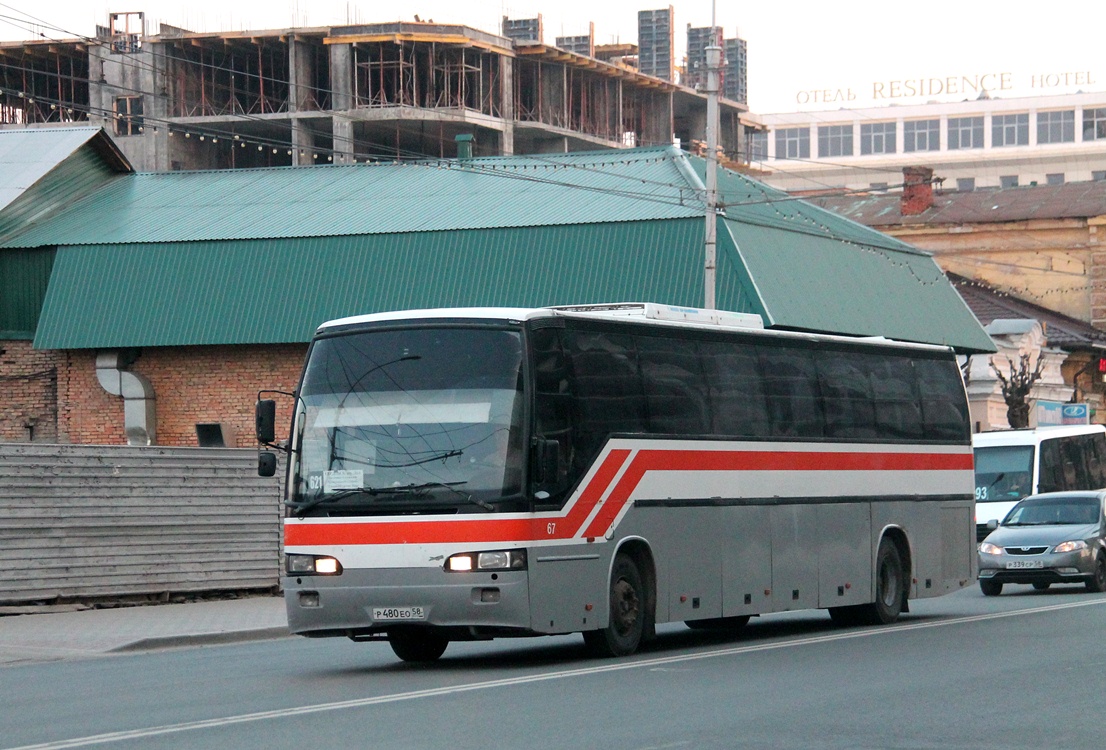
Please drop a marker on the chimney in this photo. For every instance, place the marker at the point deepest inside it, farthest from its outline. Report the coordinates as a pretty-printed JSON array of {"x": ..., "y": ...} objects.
[
  {"x": 464, "y": 145},
  {"x": 917, "y": 191}
]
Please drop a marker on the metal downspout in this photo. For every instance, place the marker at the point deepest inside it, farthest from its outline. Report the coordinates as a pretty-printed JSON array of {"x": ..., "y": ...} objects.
[{"x": 139, "y": 408}]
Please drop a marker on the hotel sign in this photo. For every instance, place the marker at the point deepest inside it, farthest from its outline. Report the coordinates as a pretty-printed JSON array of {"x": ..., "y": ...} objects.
[{"x": 960, "y": 86}]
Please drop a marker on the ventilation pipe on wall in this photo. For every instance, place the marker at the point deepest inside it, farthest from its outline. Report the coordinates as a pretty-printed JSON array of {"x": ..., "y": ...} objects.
[{"x": 139, "y": 412}]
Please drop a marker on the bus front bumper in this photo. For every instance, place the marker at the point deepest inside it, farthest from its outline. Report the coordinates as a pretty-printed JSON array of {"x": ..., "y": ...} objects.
[{"x": 364, "y": 602}]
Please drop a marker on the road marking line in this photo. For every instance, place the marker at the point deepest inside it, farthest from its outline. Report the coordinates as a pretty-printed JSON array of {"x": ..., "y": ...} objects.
[{"x": 99, "y": 739}]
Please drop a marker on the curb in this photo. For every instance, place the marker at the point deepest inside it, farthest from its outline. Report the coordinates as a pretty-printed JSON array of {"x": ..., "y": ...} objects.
[{"x": 203, "y": 639}]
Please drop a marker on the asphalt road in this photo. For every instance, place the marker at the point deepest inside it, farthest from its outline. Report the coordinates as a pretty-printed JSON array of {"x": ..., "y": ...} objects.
[{"x": 962, "y": 671}]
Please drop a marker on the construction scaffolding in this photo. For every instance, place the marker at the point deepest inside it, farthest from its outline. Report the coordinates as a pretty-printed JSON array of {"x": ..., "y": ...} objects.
[
  {"x": 43, "y": 83},
  {"x": 231, "y": 76},
  {"x": 427, "y": 75}
]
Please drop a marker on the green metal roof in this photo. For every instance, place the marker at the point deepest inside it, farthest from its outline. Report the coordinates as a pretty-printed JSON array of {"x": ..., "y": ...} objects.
[
  {"x": 264, "y": 256},
  {"x": 247, "y": 292},
  {"x": 808, "y": 282},
  {"x": 42, "y": 169},
  {"x": 362, "y": 199}
]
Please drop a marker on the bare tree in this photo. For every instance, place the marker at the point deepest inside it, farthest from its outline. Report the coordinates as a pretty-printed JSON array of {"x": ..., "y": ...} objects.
[{"x": 1016, "y": 388}]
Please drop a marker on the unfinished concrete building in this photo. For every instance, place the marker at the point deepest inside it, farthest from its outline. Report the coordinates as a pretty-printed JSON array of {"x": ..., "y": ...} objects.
[{"x": 184, "y": 100}]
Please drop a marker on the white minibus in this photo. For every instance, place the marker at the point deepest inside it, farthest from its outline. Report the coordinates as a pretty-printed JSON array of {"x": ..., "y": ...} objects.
[{"x": 1012, "y": 464}]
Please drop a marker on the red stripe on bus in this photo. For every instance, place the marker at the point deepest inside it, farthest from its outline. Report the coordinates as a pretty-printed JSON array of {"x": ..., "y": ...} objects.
[
  {"x": 470, "y": 529},
  {"x": 483, "y": 530},
  {"x": 693, "y": 460}
]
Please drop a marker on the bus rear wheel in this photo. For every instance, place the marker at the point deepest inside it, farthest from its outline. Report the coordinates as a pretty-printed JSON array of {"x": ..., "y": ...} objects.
[
  {"x": 890, "y": 592},
  {"x": 626, "y": 627},
  {"x": 417, "y": 644}
]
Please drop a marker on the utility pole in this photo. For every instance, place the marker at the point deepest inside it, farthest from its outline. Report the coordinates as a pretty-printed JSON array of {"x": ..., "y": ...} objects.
[{"x": 714, "y": 60}]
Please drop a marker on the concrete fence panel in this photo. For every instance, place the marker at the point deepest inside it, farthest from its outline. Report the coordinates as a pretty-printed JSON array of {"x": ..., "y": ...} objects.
[{"x": 95, "y": 521}]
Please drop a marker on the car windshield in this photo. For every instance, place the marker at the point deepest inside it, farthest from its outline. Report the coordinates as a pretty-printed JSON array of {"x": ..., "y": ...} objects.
[
  {"x": 1003, "y": 473},
  {"x": 419, "y": 417},
  {"x": 1054, "y": 511}
]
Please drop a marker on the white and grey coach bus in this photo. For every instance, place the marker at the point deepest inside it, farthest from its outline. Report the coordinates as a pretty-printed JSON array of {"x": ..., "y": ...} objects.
[{"x": 462, "y": 474}]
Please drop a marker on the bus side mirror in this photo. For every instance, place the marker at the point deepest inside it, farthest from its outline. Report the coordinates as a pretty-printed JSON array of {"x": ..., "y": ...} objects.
[
  {"x": 265, "y": 421},
  {"x": 266, "y": 464},
  {"x": 547, "y": 460}
]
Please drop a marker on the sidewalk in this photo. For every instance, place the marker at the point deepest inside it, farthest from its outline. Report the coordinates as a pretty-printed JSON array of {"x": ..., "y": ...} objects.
[{"x": 53, "y": 636}]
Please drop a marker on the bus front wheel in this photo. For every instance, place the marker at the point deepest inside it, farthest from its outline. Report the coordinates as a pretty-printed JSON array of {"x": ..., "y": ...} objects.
[
  {"x": 417, "y": 644},
  {"x": 626, "y": 626}
]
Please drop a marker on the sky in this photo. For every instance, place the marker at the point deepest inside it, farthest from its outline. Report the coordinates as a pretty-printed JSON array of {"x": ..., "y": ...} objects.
[{"x": 803, "y": 54}]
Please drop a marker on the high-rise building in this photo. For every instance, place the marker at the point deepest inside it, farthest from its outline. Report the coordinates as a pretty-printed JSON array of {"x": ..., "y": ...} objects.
[
  {"x": 698, "y": 39},
  {"x": 581, "y": 45},
  {"x": 735, "y": 75},
  {"x": 523, "y": 29},
  {"x": 656, "y": 51}
]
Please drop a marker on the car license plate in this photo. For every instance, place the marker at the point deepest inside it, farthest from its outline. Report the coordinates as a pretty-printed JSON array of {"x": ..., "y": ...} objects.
[
  {"x": 393, "y": 614},
  {"x": 1022, "y": 564}
]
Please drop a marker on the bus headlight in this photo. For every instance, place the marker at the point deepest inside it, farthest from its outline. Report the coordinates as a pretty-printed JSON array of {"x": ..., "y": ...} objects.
[
  {"x": 312, "y": 565},
  {"x": 464, "y": 562}
]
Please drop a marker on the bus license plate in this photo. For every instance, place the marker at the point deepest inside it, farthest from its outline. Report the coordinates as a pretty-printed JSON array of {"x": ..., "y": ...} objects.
[
  {"x": 1021, "y": 564},
  {"x": 393, "y": 614}
]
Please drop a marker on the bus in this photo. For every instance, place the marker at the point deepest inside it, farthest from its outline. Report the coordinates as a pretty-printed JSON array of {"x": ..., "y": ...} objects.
[
  {"x": 460, "y": 474},
  {"x": 1013, "y": 464}
]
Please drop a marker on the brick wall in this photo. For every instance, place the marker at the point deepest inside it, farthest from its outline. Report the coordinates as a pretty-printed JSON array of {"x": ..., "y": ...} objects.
[
  {"x": 28, "y": 392},
  {"x": 191, "y": 385}
]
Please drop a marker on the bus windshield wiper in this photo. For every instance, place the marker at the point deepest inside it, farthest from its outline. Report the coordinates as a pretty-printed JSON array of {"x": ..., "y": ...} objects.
[
  {"x": 451, "y": 486},
  {"x": 398, "y": 489}
]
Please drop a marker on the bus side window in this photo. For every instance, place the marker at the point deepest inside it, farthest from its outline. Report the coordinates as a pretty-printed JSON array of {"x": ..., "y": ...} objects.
[
  {"x": 1096, "y": 461},
  {"x": 898, "y": 413},
  {"x": 1050, "y": 469},
  {"x": 1073, "y": 451},
  {"x": 607, "y": 380},
  {"x": 944, "y": 406},
  {"x": 675, "y": 390},
  {"x": 845, "y": 383},
  {"x": 553, "y": 404},
  {"x": 791, "y": 390},
  {"x": 736, "y": 389}
]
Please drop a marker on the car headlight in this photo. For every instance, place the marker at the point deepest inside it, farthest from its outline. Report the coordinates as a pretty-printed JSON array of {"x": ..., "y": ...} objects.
[
  {"x": 1071, "y": 546},
  {"x": 312, "y": 565},
  {"x": 509, "y": 559},
  {"x": 990, "y": 549}
]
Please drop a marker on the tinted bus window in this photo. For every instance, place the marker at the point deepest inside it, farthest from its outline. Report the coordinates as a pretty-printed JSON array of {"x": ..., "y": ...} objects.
[
  {"x": 898, "y": 415},
  {"x": 944, "y": 409},
  {"x": 675, "y": 391},
  {"x": 736, "y": 389},
  {"x": 790, "y": 385},
  {"x": 607, "y": 383},
  {"x": 1050, "y": 470},
  {"x": 845, "y": 383}
]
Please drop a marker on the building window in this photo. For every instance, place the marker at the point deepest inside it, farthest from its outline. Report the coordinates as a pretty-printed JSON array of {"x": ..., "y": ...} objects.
[
  {"x": 1094, "y": 124},
  {"x": 793, "y": 143},
  {"x": 128, "y": 115},
  {"x": 877, "y": 185},
  {"x": 877, "y": 138},
  {"x": 1057, "y": 178},
  {"x": 1010, "y": 130},
  {"x": 965, "y": 184},
  {"x": 1098, "y": 175},
  {"x": 965, "y": 132},
  {"x": 1056, "y": 127},
  {"x": 921, "y": 135},
  {"x": 835, "y": 140},
  {"x": 758, "y": 145},
  {"x": 1008, "y": 181}
]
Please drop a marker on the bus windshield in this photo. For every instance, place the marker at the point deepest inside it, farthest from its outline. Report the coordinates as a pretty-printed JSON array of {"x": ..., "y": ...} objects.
[
  {"x": 417, "y": 418},
  {"x": 1003, "y": 473}
]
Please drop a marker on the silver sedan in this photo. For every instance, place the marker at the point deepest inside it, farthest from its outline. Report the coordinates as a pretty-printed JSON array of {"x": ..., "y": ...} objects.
[{"x": 1053, "y": 537}]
